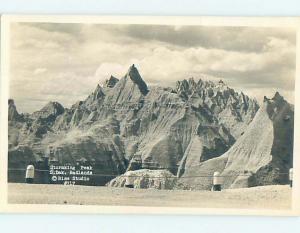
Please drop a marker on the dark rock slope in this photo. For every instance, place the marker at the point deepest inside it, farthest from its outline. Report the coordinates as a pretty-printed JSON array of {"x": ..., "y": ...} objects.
[
  {"x": 125, "y": 120},
  {"x": 261, "y": 156}
]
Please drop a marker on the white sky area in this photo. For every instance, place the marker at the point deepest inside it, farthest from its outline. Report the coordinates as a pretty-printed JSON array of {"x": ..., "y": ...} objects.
[{"x": 65, "y": 62}]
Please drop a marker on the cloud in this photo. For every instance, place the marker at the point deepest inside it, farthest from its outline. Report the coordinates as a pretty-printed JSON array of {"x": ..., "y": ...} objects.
[
  {"x": 64, "y": 62},
  {"x": 227, "y": 38},
  {"x": 38, "y": 71}
]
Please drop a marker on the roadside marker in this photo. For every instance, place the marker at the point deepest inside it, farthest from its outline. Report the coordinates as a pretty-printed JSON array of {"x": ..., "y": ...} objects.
[
  {"x": 29, "y": 176},
  {"x": 217, "y": 182},
  {"x": 291, "y": 177}
]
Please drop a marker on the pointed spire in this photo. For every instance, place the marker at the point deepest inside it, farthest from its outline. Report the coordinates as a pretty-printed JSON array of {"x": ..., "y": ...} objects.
[
  {"x": 135, "y": 76},
  {"x": 277, "y": 96},
  {"x": 111, "y": 82},
  {"x": 266, "y": 99},
  {"x": 132, "y": 68},
  {"x": 98, "y": 93},
  {"x": 12, "y": 111},
  {"x": 11, "y": 102}
]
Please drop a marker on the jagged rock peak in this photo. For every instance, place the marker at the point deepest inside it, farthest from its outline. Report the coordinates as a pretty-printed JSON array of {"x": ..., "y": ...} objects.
[
  {"x": 111, "y": 82},
  {"x": 136, "y": 78},
  {"x": 221, "y": 85},
  {"x": 221, "y": 82},
  {"x": 11, "y": 102},
  {"x": 98, "y": 93},
  {"x": 276, "y": 105},
  {"x": 51, "y": 110},
  {"x": 12, "y": 111},
  {"x": 77, "y": 104},
  {"x": 192, "y": 82},
  {"x": 266, "y": 99},
  {"x": 200, "y": 82},
  {"x": 53, "y": 105},
  {"x": 277, "y": 97},
  {"x": 186, "y": 88}
]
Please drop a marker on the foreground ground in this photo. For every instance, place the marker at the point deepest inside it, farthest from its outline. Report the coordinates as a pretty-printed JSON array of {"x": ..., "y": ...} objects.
[{"x": 270, "y": 197}]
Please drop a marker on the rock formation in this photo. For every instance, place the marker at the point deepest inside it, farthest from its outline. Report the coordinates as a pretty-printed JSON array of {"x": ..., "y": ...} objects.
[
  {"x": 145, "y": 178},
  {"x": 261, "y": 156},
  {"x": 13, "y": 114},
  {"x": 111, "y": 82},
  {"x": 193, "y": 128}
]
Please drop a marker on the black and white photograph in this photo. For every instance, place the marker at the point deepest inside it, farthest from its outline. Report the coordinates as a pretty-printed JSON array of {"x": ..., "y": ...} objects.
[{"x": 148, "y": 114}]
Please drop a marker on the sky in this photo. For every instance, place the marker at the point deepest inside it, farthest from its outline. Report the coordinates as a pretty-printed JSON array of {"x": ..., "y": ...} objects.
[{"x": 65, "y": 62}]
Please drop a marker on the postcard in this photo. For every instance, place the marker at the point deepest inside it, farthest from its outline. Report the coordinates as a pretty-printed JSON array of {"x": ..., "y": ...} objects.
[{"x": 136, "y": 114}]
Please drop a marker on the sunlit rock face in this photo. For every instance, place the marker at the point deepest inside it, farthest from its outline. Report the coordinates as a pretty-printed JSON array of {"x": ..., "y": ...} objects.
[
  {"x": 145, "y": 178},
  {"x": 263, "y": 155},
  {"x": 125, "y": 125}
]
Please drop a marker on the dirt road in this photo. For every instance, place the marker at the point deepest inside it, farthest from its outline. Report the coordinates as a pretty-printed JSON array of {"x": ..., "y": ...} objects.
[{"x": 268, "y": 197}]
